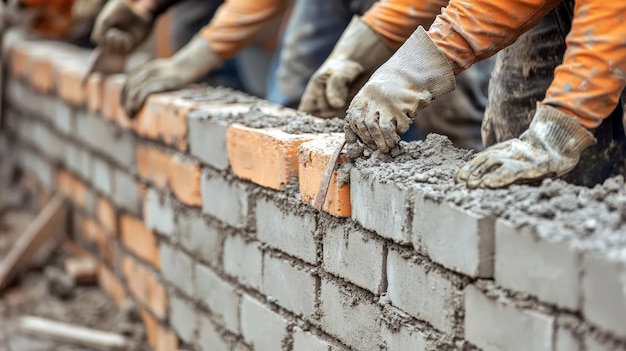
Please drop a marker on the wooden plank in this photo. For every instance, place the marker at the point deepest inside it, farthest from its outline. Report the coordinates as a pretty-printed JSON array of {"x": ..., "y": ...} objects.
[
  {"x": 45, "y": 232},
  {"x": 72, "y": 334}
]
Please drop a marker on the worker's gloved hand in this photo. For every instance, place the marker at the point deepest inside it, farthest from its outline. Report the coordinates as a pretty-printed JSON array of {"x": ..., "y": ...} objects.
[
  {"x": 357, "y": 53},
  {"x": 387, "y": 104},
  {"x": 85, "y": 10},
  {"x": 187, "y": 66},
  {"x": 122, "y": 26},
  {"x": 550, "y": 147}
]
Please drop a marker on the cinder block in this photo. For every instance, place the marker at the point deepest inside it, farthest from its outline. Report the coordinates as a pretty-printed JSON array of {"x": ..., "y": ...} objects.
[
  {"x": 566, "y": 341},
  {"x": 219, "y": 296},
  {"x": 105, "y": 138},
  {"x": 380, "y": 206},
  {"x": 305, "y": 341},
  {"x": 46, "y": 141},
  {"x": 463, "y": 242},
  {"x": 527, "y": 262},
  {"x": 183, "y": 318},
  {"x": 423, "y": 291},
  {"x": 351, "y": 316},
  {"x": 225, "y": 200},
  {"x": 63, "y": 117},
  {"x": 158, "y": 213},
  {"x": 207, "y": 134},
  {"x": 353, "y": 256},
  {"x": 177, "y": 268},
  {"x": 202, "y": 239},
  {"x": 290, "y": 232},
  {"x": 139, "y": 240},
  {"x": 403, "y": 338},
  {"x": 145, "y": 286},
  {"x": 313, "y": 157},
  {"x": 243, "y": 260},
  {"x": 102, "y": 176},
  {"x": 290, "y": 287},
  {"x": 604, "y": 291},
  {"x": 127, "y": 195},
  {"x": 78, "y": 160},
  {"x": 261, "y": 327},
  {"x": 517, "y": 330},
  {"x": 268, "y": 157},
  {"x": 41, "y": 169},
  {"x": 209, "y": 338}
]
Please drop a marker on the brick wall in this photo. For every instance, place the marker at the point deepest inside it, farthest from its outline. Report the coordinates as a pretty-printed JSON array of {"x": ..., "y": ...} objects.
[{"x": 202, "y": 215}]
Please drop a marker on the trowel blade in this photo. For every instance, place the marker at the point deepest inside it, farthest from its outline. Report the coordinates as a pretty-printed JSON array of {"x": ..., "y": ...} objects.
[
  {"x": 104, "y": 62},
  {"x": 320, "y": 197}
]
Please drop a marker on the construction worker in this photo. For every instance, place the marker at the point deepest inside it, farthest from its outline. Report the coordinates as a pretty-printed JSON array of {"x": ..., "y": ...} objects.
[
  {"x": 236, "y": 25},
  {"x": 583, "y": 90},
  {"x": 371, "y": 40}
]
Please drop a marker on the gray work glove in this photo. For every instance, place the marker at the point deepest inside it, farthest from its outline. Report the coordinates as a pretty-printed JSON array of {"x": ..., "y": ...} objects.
[
  {"x": 357, "y": 53},
  {"x": 387, "y": 104},
  {"x": 86, "y": 10},
  {"x": 187, "y": 66},
  {"x": 122, "y": 26},
  {"x": 550, "y": 147}
]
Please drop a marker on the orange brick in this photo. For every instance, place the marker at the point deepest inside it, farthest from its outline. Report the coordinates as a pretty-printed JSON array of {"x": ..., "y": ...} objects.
[
  {"x": 160, "y": 338},
  {"x": 111, "y": 285},
  {"x": 313, "y": 157},
  {"x": 95, "y": 92},
  {"x": 112, "y": 100},
  {"x": 184, "y": 180},
  {"x": 164, "y": 117},
  {"x": 20, "y": 62},
  {"x": 106, "y": 215},
  {"x": 69, "y": 84},
  {"x": 139, "y": 240},
  {"x": 41, "y": 73},
  {"x": 91, "y": 231},
  {"x": 152, "y": 164},
  {"x": 178, "y": 173},
  {"x": 73, "y": 188},
  {"x": 145, "y": 287},
  {"x": 43, "y": 198},
  {"x": 268, "y": 157}
]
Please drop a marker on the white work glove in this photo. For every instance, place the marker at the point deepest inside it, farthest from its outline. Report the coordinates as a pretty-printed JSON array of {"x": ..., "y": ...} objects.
[
  {"x": 187, "y": 66},
  {"x": 122, "y": 26},
  {"x": 550, "y": 147},
  {"x": 355, "y": 56},
  {"x": 387, "y": 104}
]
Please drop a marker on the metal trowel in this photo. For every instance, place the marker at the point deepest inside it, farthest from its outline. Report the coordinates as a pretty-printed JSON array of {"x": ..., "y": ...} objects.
[{"x": 104, "y": 62}]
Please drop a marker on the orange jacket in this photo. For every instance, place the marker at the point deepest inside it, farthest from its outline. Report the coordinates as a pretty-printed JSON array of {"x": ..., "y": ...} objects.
[
  {"x": 593, "y": 74},
  {"x": 395, "y": 20},
  {"x": 54, "y": 17},
  {"x": 238, "y": 23}
]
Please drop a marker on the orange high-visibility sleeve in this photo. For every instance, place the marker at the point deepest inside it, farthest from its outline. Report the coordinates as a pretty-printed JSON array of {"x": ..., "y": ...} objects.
[
  {"x": 592, "y": 76},
  {"x": 395, "y": 20},
  {"x": 237, "y": 23},
  {"x": 46, "y": 3},
  {"x": 471, "y": 31}
]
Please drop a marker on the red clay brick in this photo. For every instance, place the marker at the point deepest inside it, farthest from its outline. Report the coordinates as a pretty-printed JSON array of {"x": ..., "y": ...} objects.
[
  {"x": 73, "y": 188},
  {"x": 164, "y": 117},
  {"x": 106, "y": 215},
  {"x": 145, "y": 287},
  {"x": 41, "y": 74},
  {"x": 69, "y": 84},
  {"x": 20, "y": 62},
  {"x": 178, "y": 173},
  {"x": 268, "y": 157},
  {"x": 91, "y": 231},
  {"x": 139, "y": 240},
  {"x": 313, "y": 158},
  {"x": 111, "y": 285},
  {"x": 160, "y": 338},
  {"x": 95, "y": 92}
]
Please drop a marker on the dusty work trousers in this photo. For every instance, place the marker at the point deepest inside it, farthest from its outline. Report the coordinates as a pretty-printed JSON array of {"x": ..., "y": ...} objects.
[
  {"x": 521, "y": 77},
  {"x": 313, "y": 30}
]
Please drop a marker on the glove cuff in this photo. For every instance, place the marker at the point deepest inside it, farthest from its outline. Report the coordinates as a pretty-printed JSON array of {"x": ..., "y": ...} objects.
[
  {"x": 197, "y": 57},
  {"x": 561, "y": 131},
  {"x": 360, "y": 43}
]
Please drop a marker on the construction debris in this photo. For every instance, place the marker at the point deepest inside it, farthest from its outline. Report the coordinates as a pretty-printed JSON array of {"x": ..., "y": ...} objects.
[{"x": 83, "y": 270}]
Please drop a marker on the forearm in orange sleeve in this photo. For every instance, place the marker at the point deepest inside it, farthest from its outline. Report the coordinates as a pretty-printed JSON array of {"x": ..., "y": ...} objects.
[
  {"x": 471, "y": 31},
  {"x": 46, "y": 3},
  {"x": 238, "y": 23},
  {"x": 592, "y": 76},
  {"x": 395, "y": 20}
]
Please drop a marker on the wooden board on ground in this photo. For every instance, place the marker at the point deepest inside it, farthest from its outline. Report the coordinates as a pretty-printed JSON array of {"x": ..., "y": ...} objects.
[
  {"x": 72, "y": 334},
  {"x": 42, "y": 235}
]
